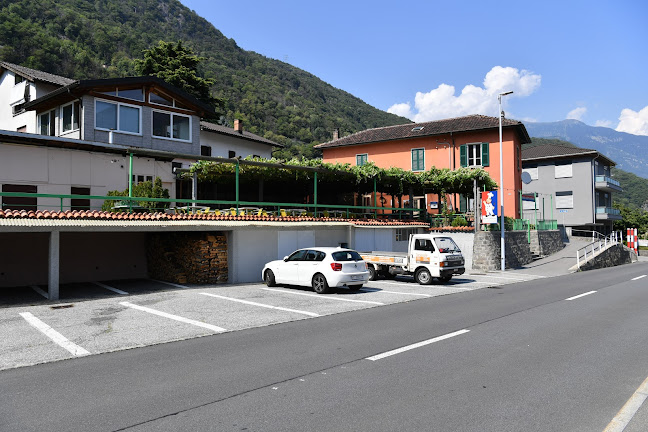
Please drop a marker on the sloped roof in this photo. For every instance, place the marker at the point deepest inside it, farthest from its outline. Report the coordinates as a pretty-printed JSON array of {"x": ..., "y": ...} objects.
[
  {"x": 36, "y": 75},
  {"x": 75, "y": 88},
  {"x": 438, "y": 127},
  {"x": 553, "y": 151},
  {"x": 212, "y": 127}
]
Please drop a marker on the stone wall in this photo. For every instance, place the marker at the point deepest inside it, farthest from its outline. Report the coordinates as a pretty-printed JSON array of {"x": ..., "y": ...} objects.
[
  {"x": 612, "y": 256},
  {"x": 188, "y": 257},
  {"x": 486, "y": 250},
  {"x": 545, "y": 243}
]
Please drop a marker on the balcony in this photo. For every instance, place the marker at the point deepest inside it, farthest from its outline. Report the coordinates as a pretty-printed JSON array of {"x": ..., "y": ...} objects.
[
  {"x": 607, "y": 184},
  {"x": 607, "y": 213}
]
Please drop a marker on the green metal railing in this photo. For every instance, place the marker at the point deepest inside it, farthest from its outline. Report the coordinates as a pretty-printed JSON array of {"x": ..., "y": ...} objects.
[{"x": 546, "y": 225}]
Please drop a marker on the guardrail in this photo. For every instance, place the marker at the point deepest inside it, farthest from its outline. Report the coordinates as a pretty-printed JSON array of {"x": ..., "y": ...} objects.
[{"x": 596, "y": 247}]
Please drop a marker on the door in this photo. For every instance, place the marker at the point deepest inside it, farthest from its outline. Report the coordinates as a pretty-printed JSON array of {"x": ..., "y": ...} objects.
[
  {"x": 309, "y": 266},
  {"x": 290, "y": 268}
]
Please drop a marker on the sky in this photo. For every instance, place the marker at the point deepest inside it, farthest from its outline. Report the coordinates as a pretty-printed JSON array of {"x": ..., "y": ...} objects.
[{"x": 428, "y": 60}]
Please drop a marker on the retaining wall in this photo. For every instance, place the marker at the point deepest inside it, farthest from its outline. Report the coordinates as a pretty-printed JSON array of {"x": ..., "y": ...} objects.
[
  {"x": 612, "y": 256},
  {"x": 486, "y": 250},
  {"x": 545, "y": 243}
]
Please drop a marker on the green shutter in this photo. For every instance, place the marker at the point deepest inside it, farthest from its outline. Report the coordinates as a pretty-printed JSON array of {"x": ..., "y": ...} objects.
[
  {"x": 463, "y": 156},
  {"x": 463, "y": 203},
  {"x": 484, "y": 155}
]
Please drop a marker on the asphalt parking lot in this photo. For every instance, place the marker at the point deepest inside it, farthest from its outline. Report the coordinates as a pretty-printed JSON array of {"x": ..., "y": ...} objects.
[{"x": 93, "y": 318}]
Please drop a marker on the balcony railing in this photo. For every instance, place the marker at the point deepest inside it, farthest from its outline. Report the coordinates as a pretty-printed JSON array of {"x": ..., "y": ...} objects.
[
  {"x": 607, "y": 210},
  {"x": 606, "y": 179}
]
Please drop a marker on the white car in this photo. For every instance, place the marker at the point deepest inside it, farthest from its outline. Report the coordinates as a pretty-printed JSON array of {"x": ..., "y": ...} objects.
[{"x": 319, "y": 267}]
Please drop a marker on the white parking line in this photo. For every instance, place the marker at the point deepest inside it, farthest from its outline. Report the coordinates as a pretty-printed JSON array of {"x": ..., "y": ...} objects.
[
  {"x": 323, "y": 297},
  {"x": 261, "y": 305},
  {"x": 393, "y": 292},
  {"x": 57, "y": 337},
  {"x": 580, "y": 295},
  {"x": 173, "y": 317},
  {"x": 623, "y": 417},
  {"x": 118, "y": 291},
  {"x": 416, "y": 345},
  {"x": 169, "y": 283},
  {"x": 39, "y": 291},
  {"x": 639, "y": 277}
]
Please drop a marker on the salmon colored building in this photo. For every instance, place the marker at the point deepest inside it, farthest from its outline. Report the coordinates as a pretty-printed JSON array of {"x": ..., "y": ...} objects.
[{"x": 471, "y": 141}]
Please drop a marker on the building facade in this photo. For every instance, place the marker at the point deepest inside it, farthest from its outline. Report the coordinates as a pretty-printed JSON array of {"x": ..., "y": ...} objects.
[
  {"x": 572, "y": 185},
  {"x": 471, "y": 141}
]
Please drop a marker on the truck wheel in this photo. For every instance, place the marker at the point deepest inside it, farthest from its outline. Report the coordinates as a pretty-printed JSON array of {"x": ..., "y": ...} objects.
[
  {"x": 320, "y": 286},
  {"x": 355, "y": 287},
  {"x": 269, "y": 278},
  {"x": 373, "y": 274},
  {"x": 423, "y": 276},
  {"x": 445, "y": 279}
]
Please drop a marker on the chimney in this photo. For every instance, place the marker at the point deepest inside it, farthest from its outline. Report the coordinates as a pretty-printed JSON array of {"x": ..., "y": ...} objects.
[
  {"x": 238, "y": 126},
  {"x": 336, "y": 134}
]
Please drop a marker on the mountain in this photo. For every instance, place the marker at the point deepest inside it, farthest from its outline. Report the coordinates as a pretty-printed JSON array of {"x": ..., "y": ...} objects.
[
  {"x": 99, "y": 39},
  {"x": 630, "y": 152}
]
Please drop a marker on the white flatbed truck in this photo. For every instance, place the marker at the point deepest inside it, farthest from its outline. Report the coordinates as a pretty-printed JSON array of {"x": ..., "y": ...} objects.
[{"x": 428, "y": 256}]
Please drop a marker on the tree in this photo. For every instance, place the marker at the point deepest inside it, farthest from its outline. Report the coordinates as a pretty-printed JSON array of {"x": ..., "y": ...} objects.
[{"x": 178, "y": 65}]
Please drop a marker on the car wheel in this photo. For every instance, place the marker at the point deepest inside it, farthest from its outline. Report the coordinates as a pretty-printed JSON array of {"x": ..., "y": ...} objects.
[
  {"x": 445, "y": 279},
  {"x": 269, "y": 278},
  {"x": 373, "y": 275},
  {"x": 320, "y": 286},
  {"x": 355, "y": 287},
  {"x": 423, "y": 276}
]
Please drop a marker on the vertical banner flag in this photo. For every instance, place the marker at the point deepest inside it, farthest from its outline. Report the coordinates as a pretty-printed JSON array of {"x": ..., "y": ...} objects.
[{"x": 489, "y": 207}]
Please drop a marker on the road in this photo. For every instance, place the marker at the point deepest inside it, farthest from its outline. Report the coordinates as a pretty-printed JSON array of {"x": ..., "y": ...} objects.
[{"x": 518, "y": 357}]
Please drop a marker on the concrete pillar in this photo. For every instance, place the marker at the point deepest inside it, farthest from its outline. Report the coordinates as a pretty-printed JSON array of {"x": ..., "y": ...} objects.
[{"x": 53, "y": 265}]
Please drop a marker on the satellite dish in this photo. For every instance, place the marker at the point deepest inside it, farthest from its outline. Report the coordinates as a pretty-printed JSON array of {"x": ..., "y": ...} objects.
[{"x": 526, "y": 177}]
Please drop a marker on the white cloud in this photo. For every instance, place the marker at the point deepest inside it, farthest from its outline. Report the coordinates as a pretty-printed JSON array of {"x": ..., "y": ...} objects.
[
  {"x": 603, "y": 123},
  {"x": 633, "y": 122},
  {"x": 441, "y": 102},
  {"x": 577, "y": 113}
]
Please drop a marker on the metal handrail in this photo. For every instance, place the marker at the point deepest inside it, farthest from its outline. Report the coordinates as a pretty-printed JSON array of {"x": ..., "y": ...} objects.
[{"x": 597, "y": 246}]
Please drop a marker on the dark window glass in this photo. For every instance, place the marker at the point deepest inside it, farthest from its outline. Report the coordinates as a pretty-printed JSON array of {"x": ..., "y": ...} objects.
[
  {"x": 205, "y": 151},
  {"x": 80, "y": 203},
  {"x": 297, "y": 256},
  {"x": 346, "y": 256},
  {"x": 19, "y": 203}
]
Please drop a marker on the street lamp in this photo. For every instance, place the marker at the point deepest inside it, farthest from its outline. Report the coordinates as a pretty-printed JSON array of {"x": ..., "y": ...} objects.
[{"x": 501, "y": 166}]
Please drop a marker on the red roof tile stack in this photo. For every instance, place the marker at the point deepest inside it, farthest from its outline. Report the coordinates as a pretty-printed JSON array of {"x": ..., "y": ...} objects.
[{"x": 124, "y": 216}]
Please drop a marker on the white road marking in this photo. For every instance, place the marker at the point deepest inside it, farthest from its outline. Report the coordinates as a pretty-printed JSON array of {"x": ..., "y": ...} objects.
[
  {"x": 623, "y": 417},
  {"x": 393, "y": 292},
  {"x": 581, "y": 295},
  {"x": 173, "y": 317},
  {"x": 39, "y": 291},
  {"x": 169, "y": 283},
  {"x": 416, "y": 345},
  {"x": 323, "y": 297},
  {"x": 118, "y": 291},
  {"x": 57, "y": 337},
  {"x": 639, "y": 277},
  {"x": 261, "y": 305}
]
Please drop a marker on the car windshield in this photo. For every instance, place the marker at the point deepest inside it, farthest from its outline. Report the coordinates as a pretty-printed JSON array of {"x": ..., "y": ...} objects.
[
  {"x": 446, "y": 244},
  {"x": 348, "y": 255}
]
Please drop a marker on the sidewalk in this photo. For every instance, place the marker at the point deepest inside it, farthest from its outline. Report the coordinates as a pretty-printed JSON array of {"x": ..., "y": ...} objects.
[{"x": 556, "y": 264}]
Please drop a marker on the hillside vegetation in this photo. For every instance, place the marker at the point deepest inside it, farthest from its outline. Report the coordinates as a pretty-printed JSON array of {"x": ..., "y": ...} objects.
[{"x": 99, "y": 39}]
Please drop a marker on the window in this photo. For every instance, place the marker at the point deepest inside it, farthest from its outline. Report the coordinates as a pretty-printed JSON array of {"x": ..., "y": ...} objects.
[
  {"x": 174, "y": 126},
  {"x": 231, "y": 154},
  {"x": 70, "y": 117},
  {"x": 22, "y": 128},
  {"x": 135, "y": 94},
  {"x": 418, "y": 159},
  {"x": 563, "y": 170},
  {"x": 18, "y": 79},
  {"x": 79, "y": 203},
  {"x": 137, "y": 178},
  {"x": 205, "y": 150},
  {"x": 476, "y": 154},
  {"x": 47, "y": 123},
  {"x": 361, "y": 159},
  {"x": 533, "y": 172},
  {"x": 117, "y": 116},
  {"x": 564, "y": 199},
  {"x": 19, "y": 203},
  {"x": 17, "y": 109},
  {"x": 162, "y": 99}
]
